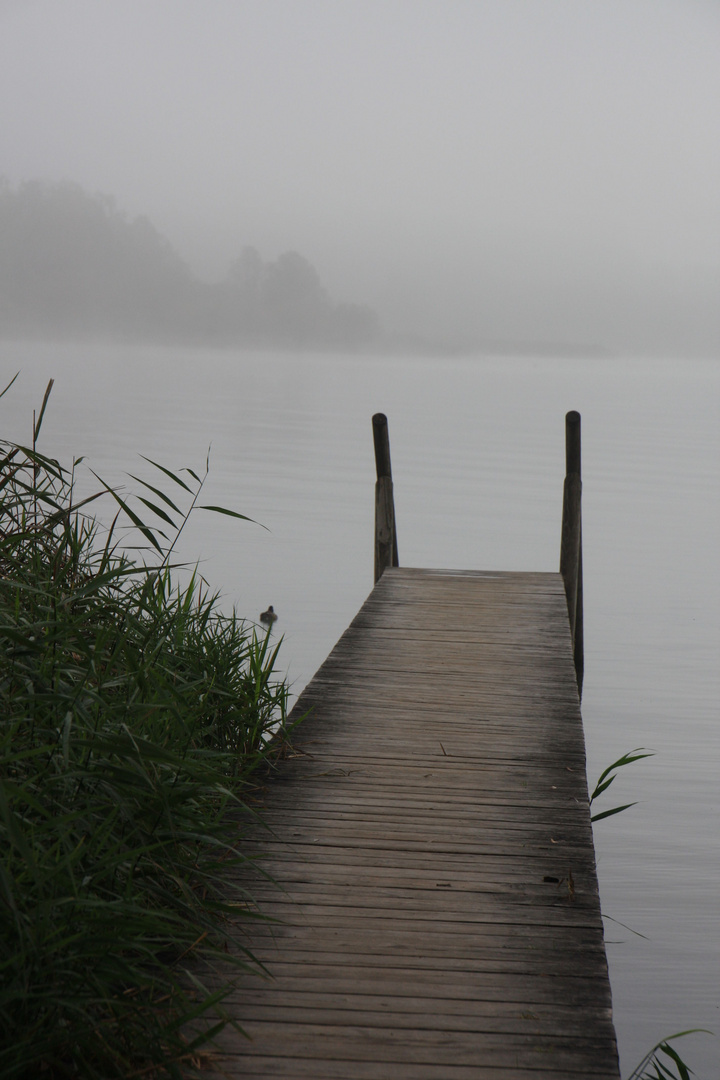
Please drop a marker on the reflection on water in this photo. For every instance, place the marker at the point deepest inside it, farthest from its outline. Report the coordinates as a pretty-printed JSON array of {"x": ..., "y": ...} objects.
[{"x": 478, "y": 462}]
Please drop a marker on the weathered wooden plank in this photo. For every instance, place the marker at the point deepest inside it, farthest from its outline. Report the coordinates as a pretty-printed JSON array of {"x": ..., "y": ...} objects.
[
  {"x": 316, "y": 1069},
  {"x": 386, "y": 1046},
  {"x": 398, "y": 824},
  {"x": 498, "y": 1017},
  {"x": 526, "y": 861},
  {"x": 482, "y": 904},
  {"x": 437, "y": 937},
  {"x": 427, "y": 854},
  {"x": 421, "y": 842},
  {"x": 539, "y": 987},
  {"x": 444, "y": 960}
]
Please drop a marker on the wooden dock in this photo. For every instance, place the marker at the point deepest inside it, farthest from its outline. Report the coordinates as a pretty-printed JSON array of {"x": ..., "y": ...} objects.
[
  {"x": 427, "y": 849},
  {"x": 438, "y": 911}
]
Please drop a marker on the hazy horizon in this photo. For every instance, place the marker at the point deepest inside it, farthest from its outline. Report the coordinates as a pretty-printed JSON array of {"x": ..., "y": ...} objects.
[{"x": 496, "y": 170}]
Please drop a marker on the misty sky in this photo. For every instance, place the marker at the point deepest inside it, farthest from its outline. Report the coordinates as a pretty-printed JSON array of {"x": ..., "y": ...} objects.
[{"x": 545, "y": 169}]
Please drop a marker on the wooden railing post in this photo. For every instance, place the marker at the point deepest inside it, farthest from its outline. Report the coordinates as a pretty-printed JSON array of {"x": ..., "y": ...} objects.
[
  {"x": 571, "y": 539},
  {"x": 386, "y": 553}
]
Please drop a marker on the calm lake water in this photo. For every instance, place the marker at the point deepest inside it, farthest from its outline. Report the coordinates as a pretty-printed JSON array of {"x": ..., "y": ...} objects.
[{"x": 478, "y": 463}]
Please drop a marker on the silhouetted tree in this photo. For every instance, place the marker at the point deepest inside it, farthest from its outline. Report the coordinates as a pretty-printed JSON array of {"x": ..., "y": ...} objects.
[{"x": 72, "y": 263}]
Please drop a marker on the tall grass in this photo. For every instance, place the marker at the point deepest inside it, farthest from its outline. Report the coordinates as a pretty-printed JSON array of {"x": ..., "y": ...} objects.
[{"x": 134, "y": 716}]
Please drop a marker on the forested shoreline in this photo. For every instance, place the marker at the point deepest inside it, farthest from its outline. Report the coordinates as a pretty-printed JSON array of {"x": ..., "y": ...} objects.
[{"x": 73, "y": 265}]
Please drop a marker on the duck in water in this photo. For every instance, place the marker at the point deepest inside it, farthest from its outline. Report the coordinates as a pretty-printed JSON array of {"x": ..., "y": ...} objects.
[{"x": 268, "y": 617}]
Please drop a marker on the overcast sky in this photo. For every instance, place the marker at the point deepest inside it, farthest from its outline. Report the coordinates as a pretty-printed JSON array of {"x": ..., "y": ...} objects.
[{"x": 514, "y": 168}]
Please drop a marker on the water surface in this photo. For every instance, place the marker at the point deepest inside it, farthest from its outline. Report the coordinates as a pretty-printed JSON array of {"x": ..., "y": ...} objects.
[{"x": 478, "y": 461}]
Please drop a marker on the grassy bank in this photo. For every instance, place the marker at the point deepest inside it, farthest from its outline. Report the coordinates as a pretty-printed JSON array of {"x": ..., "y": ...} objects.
[{"x": 133, "y": 719}]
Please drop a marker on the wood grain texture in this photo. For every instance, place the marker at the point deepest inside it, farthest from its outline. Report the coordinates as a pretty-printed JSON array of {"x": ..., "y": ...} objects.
[{"x": 427, "y": 852}]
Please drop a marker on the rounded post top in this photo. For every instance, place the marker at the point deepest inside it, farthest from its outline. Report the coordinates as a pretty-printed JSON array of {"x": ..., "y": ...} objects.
[
  {"x": 381, "y": 440},
  {"x": 572, "y": 442}
]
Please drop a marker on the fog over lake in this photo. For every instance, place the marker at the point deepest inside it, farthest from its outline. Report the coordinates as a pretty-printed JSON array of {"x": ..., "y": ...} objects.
[
  {"x": 253, "y": 223},
  {"x": 494, "y": 171}
]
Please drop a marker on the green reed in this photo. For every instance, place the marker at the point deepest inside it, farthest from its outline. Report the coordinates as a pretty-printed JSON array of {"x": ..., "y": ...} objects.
[
  {"x": 669, "y": 1066},
  {"x": 608, "y": 776},
  {"x": 134, "y": 717}
]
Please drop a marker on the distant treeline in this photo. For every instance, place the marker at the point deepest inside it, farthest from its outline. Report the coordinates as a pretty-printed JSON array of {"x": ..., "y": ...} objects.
[{"x": 73, "y": 265}]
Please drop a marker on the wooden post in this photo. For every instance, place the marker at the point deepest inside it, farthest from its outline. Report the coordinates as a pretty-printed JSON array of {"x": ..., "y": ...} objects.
[
  {"x": 571, "y": 539},
  {"x": 386, "y": 553}
]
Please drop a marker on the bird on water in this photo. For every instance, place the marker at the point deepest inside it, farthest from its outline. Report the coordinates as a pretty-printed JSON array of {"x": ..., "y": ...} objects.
[{"x": 268, "y": 617}]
